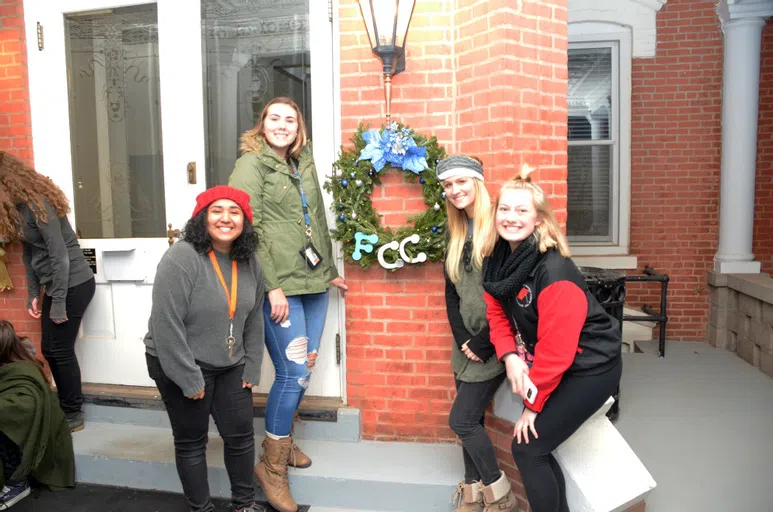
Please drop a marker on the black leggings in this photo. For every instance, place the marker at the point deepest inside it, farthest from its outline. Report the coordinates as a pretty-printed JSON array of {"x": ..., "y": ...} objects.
[
  {"x": 574, "y": 401},
  {"x": 466, "y": 420},
  {"x": 58, "y": 346}
]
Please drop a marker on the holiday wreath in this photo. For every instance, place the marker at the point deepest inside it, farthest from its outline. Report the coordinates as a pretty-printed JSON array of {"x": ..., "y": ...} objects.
[{"x": 375, "y": 152}]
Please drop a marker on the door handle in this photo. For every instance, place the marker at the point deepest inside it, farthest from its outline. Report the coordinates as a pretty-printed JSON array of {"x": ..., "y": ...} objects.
[
  {"x": 172, "y": 234},
  {"x": 191, "y": 168}
]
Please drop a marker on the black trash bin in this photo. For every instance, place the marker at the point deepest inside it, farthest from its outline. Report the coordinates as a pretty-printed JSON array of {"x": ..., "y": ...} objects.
[{"x": 608, "y": 287}]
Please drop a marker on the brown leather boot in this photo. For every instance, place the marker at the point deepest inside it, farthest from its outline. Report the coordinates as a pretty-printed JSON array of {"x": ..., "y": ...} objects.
[
  {"x": 298, "y": 459},
  {"x": 498, "y": 497},
  {"x": 271, "y": 473},
  {"x": 468, "y": 498}
]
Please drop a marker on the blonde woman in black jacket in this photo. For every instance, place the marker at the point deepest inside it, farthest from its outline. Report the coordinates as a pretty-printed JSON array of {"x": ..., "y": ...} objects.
[{"x": 477, "y": 372}]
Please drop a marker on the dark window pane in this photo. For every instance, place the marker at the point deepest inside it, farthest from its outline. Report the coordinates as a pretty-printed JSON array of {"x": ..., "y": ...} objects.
[
  {"x": 589, "y": 194},
  {"x": 590, "y": 93}
]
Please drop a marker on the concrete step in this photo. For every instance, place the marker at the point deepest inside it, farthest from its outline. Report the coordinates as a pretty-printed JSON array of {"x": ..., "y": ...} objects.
[
  {"x": 635, "y": 330},
  {"x": 328, "y": 509},
  {"x": 360, "y": 475},
  {"x": 346, "y": 428},
  {"x": 647, "y": 346},
  {"x": 643, "y": 323}
]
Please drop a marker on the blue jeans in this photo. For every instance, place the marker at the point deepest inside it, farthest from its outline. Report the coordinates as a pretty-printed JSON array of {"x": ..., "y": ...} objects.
[{"x": 293, "y": 347}]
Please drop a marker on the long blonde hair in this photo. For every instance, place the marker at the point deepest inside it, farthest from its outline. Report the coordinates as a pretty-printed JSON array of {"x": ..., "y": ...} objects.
[
  {"x": 254, "y": 138},
  {"x": 548, "y": 234},
  {"x": 483, "y": 225}
]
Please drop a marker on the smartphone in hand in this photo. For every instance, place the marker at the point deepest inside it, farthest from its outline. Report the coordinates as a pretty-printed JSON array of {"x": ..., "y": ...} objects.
[{"x": 530, "y": 389}]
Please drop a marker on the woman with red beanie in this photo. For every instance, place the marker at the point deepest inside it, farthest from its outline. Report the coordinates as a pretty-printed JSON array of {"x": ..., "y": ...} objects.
[{"x": 204, "y": 344}]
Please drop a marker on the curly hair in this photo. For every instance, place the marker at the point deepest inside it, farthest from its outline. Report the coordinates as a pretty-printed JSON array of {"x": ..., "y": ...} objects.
[
  {"x": 196, "y": 234},
  {"x": 21, "y": 184}
]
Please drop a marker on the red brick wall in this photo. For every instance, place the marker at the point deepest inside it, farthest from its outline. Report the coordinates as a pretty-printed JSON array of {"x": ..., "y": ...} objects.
[
  {"x": 675, "y": 159},
  {"x": 397, "y": 341},
  {"x": 763, "y": 209},
  {"x": 16, "y": 138},
  {"x": 488, "y": 79}
]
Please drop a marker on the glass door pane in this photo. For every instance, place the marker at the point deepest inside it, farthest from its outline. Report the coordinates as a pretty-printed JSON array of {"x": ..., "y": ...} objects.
[
  {"x": 252, "y": 52},
  {"x": 115, "y": 122}
]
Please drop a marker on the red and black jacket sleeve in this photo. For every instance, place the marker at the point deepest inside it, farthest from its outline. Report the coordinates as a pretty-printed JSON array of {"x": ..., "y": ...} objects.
[
  {"x": 563, "y": 309},
  {"x": 501, "y": 330}
]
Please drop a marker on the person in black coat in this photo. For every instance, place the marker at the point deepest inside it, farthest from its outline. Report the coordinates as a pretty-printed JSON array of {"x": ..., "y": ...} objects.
[{"x": 549, "y": 330}]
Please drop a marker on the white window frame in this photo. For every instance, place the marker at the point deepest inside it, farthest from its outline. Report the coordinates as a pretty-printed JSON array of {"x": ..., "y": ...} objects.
[{"x": 616, "y": 253}]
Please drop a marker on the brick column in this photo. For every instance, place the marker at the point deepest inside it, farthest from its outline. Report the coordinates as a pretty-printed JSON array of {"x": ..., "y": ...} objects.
[
  {"x": 488, "y": 78},
  {"x": 16, "y": 138}
]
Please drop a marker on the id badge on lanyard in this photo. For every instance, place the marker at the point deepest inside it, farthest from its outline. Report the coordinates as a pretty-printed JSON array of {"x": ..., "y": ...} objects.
[{"x": 309, "y": 253}]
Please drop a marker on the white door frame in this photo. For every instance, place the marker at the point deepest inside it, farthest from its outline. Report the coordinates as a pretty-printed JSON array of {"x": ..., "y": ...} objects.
[{"x": 182, "y": 112}]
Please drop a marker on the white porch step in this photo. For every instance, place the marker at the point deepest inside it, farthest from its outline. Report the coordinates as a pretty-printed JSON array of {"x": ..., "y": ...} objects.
[
  {"x": 634, "y": 331},
  {"x": 360, "y": 475},
  {"x": 602, "y": 472},
  {"x": 328, "y": 509}
]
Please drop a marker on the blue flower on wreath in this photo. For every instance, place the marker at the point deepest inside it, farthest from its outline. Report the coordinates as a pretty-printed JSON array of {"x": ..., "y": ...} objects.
[{"x": 395, "y": 147}]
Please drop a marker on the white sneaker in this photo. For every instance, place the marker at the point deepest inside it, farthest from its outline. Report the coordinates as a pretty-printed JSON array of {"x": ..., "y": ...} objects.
[{"x": 13, "y": 494}]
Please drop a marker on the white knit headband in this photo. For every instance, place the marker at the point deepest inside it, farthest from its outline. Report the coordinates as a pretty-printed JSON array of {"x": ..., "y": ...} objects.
[{"x": 459, "y": 171}]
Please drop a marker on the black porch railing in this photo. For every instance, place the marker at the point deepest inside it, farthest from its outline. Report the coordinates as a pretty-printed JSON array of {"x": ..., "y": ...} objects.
[{"x": 661, "y": 318}]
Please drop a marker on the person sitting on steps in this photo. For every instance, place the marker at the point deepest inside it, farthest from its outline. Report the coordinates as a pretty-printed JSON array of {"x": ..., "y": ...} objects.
[{"x": 35, "y": 438}]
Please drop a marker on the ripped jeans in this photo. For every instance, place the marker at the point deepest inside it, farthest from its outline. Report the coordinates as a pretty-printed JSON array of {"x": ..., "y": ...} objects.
[{"x": 293, "y": 348}]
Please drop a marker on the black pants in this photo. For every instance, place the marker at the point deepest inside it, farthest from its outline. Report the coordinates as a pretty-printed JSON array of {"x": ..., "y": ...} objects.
[
  {"x": 58, "y": 346},
  {"x": 574, "y": 401},
  {"x": 10, "y": 456},
  {"x": 231, "y": 406},
  {"x": 466, "y": 420}
]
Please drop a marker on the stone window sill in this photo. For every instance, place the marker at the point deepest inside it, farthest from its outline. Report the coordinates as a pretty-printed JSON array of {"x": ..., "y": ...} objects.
[{"x": 619, "y": 262}]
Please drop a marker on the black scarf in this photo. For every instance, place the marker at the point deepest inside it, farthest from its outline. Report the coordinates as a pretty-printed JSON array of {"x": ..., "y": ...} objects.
[{"x": 505, "y": 271}]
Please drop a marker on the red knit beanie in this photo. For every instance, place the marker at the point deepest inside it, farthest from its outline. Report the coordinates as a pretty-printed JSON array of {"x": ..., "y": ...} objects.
[{"x": 213, "y": 194}]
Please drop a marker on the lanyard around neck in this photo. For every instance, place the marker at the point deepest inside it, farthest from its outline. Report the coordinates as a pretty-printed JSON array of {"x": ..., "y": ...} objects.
[
  {"x": 304, "y": 204},
  {"x": 231, "y": 298}
]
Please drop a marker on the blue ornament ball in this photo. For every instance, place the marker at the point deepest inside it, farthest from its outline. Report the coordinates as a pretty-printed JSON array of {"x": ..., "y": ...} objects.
[
  {"x": 342, "y": 217},
  {"x": 344, "y": 183},
  {"x": 434, "y": 229},
  {"x": 443, "y": 194},
  {"x": 421, "y": 180},
  {"x": 371, "y": 173}
]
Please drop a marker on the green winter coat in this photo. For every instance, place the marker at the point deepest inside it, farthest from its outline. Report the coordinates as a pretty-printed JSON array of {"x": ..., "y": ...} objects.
[
  {"x": 279, "y": 222},
  {"x": 31, "y": 418},
  {"x": 472, "y": 310}
]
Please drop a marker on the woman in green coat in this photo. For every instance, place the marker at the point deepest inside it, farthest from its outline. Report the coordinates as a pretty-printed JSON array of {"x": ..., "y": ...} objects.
[
  {"x": 35, "y": 439},
  {"x": 277, "y": 170}
]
